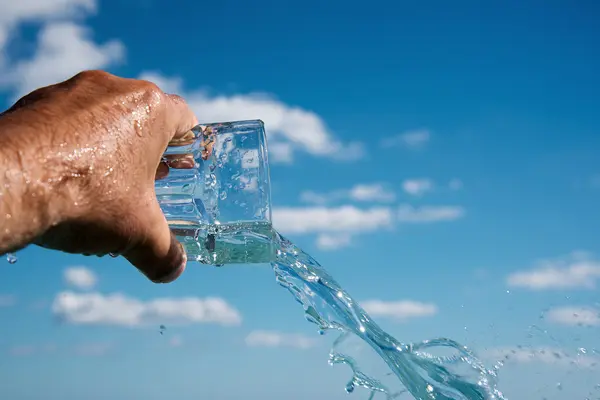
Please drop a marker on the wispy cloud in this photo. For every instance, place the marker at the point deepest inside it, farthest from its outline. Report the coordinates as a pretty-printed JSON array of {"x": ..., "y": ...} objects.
[
  {"x": 291, "y": 129},
  {"x": 336, "y": 226},
  {"x": 455, "y": 184},
  {"x": 371, "y": 192},
  {"x": 278, "y": 339},
  {"x": 30, "y": 350},
  {"x": 333, "y": 241},
  {"x": 546, "y": 355},
  {"x": 7, "y": 300},
  {"x": 120, "y": 310},
  {"x": 414, "y": 139},
  {"x": 429, "y": 214},
  {"x": 63, "y": 47},
  {"x": 417, "y": 186},
  {"x": 86, "y": 349},
  {"x": 93, "y": 349},
  {"x": 22, "y": 350},
  {"x": 575, "y": 316},
  {"x": 575, "y": 271},
  {"x": 302, "y": 220},
  {"x": 80, "y": 277},
  {"x": 399, "y": 310}
]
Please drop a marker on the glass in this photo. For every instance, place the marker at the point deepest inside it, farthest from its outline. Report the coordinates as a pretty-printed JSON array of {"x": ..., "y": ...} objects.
[{"x": 213, "y": 186}]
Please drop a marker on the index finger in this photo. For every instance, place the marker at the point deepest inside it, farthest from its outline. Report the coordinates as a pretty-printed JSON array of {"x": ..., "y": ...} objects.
[{"x": 180, "y": 118}]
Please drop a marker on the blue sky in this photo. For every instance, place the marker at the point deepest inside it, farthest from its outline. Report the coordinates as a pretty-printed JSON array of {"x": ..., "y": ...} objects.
[{"x": 460, "y": 195}]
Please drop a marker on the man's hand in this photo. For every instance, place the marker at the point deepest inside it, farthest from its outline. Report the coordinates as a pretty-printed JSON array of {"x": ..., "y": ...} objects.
[{"x": 78, "y": 162}]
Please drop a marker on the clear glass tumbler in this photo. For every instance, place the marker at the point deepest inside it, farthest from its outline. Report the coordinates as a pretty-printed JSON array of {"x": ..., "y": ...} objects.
[{"x": 216, "y": 193}]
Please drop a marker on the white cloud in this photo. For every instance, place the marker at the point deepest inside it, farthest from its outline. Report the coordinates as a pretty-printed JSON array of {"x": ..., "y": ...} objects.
[
  {"x": 32, "y": 10},
  {"x": 364, "y": 192},
  {"x": 429, "y": 214},
  {"x": 399, "y": 310},
  {"x": 16, "y": 12},
  {"x": 290, "y": 128},
  {"x": 412, "y": 139},
  {"x": 546, "y": 355},
  {"x": 80, "y": 277},
  {"x": 309, "y": 196},
  {"x": 63, "y": 47},
  {"x": 575, "y": 271},
  {"x": 371, "y": 192},
  {"x": 120, "y": 310},
  {"x": 7, "y": 300},
  {"x": 579, "y": 316},
  {"x": 302, "y": 220},
  {"x": 278, "y": 339},
  {"x": 328, "y": 241},
  {"x": 336, "y": 225},
  {"x": 417, "y": 187},
  {"x": 63, "y": 50}
]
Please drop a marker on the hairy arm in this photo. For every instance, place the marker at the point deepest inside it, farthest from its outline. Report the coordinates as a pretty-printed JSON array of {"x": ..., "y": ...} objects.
[
  {"x": 78, "y": 162},
  {"x": 34, "y": 189}
]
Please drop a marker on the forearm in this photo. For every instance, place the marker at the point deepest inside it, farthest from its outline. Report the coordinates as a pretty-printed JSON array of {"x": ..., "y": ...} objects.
[{"x": 31, "y": 195}]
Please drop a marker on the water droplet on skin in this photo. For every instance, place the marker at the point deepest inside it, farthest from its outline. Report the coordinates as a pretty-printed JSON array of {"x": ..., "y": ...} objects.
[{"x": 11, "y": 258}]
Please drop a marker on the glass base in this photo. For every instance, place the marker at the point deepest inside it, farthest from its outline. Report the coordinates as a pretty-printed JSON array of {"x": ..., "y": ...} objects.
[{"x": 238, "y": 243}]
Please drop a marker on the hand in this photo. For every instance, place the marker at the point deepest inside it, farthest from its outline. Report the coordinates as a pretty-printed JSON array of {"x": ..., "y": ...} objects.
[{"x": 86, "y": 153}]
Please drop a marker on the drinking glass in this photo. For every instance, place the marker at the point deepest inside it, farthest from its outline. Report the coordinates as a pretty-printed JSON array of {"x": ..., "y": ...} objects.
[{"x": 214, "y": 189}]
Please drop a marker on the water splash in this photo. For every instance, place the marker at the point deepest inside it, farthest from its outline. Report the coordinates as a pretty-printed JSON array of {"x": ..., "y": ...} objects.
[
  {"x": 424, "y": 376},
  {"x": 11, "y": 258}
]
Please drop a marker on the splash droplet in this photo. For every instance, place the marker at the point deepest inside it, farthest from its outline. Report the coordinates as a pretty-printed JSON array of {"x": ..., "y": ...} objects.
[
  {"x": 350, "y": 387},
  {"x": 11, "y": 258}
]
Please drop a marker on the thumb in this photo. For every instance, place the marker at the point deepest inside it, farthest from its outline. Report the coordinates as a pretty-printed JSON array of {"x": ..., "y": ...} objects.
[{"x": 159, "y": 255}]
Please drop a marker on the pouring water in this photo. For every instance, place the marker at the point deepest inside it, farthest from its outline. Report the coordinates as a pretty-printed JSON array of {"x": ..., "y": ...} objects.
[{"x": 220, "y": 211}]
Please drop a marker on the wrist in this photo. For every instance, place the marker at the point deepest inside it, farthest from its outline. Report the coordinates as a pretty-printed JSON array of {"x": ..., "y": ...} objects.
[{"x": 36, "y": 190}]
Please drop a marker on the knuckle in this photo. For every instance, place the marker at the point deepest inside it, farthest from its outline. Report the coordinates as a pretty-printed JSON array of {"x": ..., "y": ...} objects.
[
  {"x": 177, "y": 99},
  {"x": 151, "y": 92},
  {"x": 92, "y": 75}
]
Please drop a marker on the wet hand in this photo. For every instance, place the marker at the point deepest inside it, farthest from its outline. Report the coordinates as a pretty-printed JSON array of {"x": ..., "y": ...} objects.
[{"x": 91, "y": 148}]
